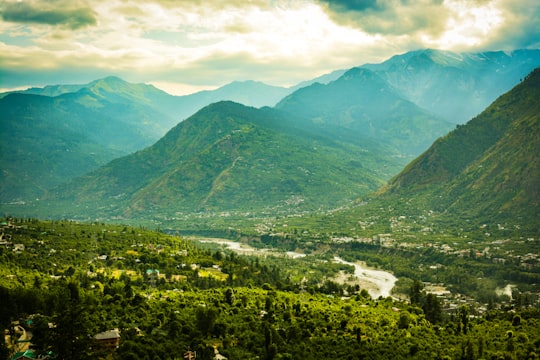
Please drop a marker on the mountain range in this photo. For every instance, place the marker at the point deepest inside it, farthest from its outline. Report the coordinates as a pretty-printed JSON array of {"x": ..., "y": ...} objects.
[
  {"x": 326, "y": 142},
  {"x": 231, "y": 157},
  {"x": 53, "y": 134},
  {"x": 455, "y": 86}
]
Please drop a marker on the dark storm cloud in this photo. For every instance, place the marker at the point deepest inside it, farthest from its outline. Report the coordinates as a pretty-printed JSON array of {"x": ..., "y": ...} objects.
[
  {"x": 353, "y": 5},
  {"x": 62, "y": 13},
  {"x": 389, "y": 17}
]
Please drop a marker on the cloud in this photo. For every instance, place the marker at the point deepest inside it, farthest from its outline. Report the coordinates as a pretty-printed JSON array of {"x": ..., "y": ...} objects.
[
  {"x": 389, "y": 17},
  {"x": 61, "y": 13},
  {"x": 520, "y": 28},
  {"x": 209, "y": 43},
  {"x": 353, "y": 5},
  {"x": 445, "y": 24}
]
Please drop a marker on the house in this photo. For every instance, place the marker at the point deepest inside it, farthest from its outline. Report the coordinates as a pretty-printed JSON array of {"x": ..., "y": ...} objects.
[
  {"x": 28, "y": 354},
  {"x": 107, "y": 340},
  {"x": 217, "y": 355},
  {"x": 18, "y": 247}
]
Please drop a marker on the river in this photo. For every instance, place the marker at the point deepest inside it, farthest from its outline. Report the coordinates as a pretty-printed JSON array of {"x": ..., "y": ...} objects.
[{"x": 376, "y": 282}]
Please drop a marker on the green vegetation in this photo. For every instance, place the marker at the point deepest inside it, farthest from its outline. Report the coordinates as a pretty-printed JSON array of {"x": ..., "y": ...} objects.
[
  {"x": 46, "y": 141},
  {"x": 487, "y": 170},
  {"x": 88, "y": 278}
]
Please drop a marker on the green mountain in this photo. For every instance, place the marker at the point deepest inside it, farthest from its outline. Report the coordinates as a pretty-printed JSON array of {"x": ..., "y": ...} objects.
[
  {"x": 455, "y": 86},
  {"x": 53, "y": 134},
  {"x": 47, "y": 141},
  {"x": 231, "y": 157},
  {"x": 488, "y": 169},
  {"x": 360, "y": 103}
]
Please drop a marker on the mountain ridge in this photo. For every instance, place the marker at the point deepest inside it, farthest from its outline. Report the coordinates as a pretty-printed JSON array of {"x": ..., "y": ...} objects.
[
  {"x": 456, "y": 86},
  {"x": 363, "y": 103}
]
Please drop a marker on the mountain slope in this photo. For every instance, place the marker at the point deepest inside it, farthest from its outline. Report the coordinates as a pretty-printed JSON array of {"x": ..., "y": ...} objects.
[
  {"x": 488, "y": 168},
  {"x": 49, "y": 140},
  {"x": 230, "y": 157},
  {"x": 41, "y": 147},
  {"x": 360, "y": 103},
  {"x": 455, "y": 86}
]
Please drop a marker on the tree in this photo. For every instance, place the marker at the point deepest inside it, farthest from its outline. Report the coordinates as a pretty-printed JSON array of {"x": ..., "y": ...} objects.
[
  {"x": 404, "y": 320},
  {"x": 206, "y": 319},
  {"x": 463, "y": 318},
  {"x": 415, "y": 293},
  {"x": 229, "y": 296},
  {"x": 432, "y": 309},
  {"x": 72, "y": 328}
]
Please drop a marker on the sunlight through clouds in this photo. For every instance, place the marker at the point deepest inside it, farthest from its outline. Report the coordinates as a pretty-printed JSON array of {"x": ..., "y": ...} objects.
[
  {"x": 210, "y": 43},
  {"x": 468, "y": 25}
]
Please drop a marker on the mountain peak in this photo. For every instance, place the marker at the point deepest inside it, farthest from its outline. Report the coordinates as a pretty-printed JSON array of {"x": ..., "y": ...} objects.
[
  {"x": 243, "y": 84},
  {"x": 109, "y": 81},
  {"x": 112, "y": 79}
]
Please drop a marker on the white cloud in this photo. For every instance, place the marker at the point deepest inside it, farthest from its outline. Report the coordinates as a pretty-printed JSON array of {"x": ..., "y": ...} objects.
[{"x": 209, "y": 43}]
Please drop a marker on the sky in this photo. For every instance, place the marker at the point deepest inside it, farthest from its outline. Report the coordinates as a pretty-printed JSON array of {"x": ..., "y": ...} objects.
[{"x": 183, "y": 46}]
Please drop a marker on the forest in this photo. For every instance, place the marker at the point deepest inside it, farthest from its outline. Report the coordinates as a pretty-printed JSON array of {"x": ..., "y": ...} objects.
[{"x": 64, "y": 282}]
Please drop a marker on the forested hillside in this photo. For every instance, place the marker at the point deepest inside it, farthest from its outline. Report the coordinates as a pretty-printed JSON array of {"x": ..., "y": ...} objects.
[{"x": 488, "y": 168}]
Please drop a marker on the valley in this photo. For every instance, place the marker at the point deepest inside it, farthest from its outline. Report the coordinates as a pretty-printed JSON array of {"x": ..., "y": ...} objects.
[
  {"x": 167, "y": 294},
  {"x": 346, "y": 217}
]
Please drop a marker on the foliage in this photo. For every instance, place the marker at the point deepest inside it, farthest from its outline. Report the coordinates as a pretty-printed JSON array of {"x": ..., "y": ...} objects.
[{"x": 82, "y": 294}]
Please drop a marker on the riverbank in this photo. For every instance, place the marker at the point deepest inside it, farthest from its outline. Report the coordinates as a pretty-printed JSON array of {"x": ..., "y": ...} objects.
[{"x": 376, "y": 282}]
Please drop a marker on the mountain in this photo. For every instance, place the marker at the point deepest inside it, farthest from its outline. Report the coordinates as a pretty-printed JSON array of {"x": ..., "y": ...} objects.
[
  {"x": 361, "y": 103},
  {"x": 487, "y": 169},
  {"x": 230, "y": 157},
  {"x": 323, "y": 79},
  {"x": 455, "y": 86},
  {"x": 249, "y": 93},
  {"x": 81, "y": 127},
  {"x": 49, "y": 140},
  {"x": 41, "y": 145},
  {"x": 174, "y": 108},
  {"x": 140, "y": 105}
]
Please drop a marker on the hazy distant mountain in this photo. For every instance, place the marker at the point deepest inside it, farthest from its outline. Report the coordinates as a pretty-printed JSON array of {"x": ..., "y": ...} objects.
[
  {"x": 486, "y": 170},
  {"x": 49, "y": 140},
  {"x": 249, "y": 93},
  {"x": 323, "y": 79},
  {"x": 361, "y": 103},
  {"x": 175, "y": 108},
  {"x": 230, "y": 157},
  {"x": 455, "y": 86}
]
